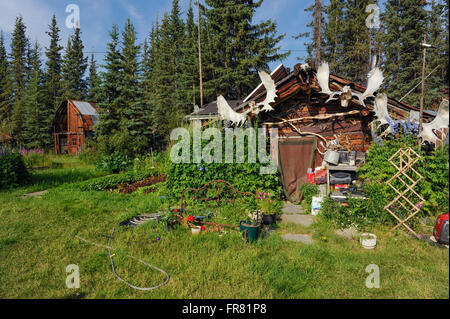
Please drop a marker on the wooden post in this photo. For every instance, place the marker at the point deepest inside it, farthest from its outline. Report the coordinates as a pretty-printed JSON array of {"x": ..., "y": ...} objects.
[
  {"x": 200, "y": 54},
  {"x": 423, "y": 83}
]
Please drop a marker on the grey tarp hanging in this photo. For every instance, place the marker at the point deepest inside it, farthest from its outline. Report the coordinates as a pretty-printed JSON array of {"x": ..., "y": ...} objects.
[{"x": 296, "y": 155}]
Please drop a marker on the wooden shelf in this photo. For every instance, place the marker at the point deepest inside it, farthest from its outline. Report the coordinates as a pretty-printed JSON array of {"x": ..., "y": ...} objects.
[{"x": 351, "y": 168}]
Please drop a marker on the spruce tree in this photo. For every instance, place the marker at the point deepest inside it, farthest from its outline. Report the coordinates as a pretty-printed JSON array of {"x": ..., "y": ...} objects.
[
  {"x": 314, "y": 46},
  {"x": 94, "y": 81},
  {"x": 333, "y": 42},
  {"x": 241, "y": 47},
  {"x": 109, "y": 119},
  {"x": 18, "y": 57},
  {"x": 189, "y": 77},
  {"x": 74, "y": 68},
  {"x": 436, "y": 59},
  {"x": 405, "y": 26},
  {"x": 53, "y": 63},
  {"x": 36, "y": 132},
  {"x": 133, "y": 138},
  {"x": 5, "y": 89}
]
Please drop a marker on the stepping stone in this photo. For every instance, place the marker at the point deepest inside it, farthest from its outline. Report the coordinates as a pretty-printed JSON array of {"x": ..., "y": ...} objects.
[
  {"x": 348, "y": 233},
  {"x": 304, "y": 220},
  {"x": 306, "y": 239},
  {"x": 35, "y": 194},
  {"x": 289, "y": 208}
]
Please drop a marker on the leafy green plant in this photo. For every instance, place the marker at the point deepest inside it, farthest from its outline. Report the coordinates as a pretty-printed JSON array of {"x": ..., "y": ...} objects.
[
  {"x": 244, "y": 176},
  {"x": 268, "y": 204},
  {"x": 433, "y": 166},
  {"x": 114, "y": 163},
  {"x": 362, "y": 213},
  {"x": 13, "y": 171},
  {"x": 308, "y": 190}
]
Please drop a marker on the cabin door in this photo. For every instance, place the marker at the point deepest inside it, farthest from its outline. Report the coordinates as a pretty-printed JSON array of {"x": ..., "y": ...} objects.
[
  {"x": 296, "y": 155},
  {"x": 63, "y": 144}
]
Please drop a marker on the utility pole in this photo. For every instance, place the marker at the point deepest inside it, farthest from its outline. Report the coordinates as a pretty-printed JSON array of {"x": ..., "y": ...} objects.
[
  {"x": 425, "y": 46},
  {"x": 200, "y": 54}
]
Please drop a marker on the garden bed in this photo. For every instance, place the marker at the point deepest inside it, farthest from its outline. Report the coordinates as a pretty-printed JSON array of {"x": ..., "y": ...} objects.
[{"x": 130, "y": 188}]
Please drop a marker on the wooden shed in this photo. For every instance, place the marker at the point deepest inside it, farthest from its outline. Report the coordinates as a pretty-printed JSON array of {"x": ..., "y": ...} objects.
[
  {"x": 306, "y": 122},
  {"x": 73, "y": 123}
]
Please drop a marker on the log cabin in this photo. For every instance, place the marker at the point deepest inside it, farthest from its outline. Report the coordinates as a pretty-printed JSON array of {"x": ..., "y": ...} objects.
[
  {"x": 72, "y": 125},
  {"x": 306, "y": 122}
]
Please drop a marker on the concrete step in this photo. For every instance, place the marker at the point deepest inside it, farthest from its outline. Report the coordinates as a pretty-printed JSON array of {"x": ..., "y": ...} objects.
[
  {"x": 35, "y": 194},
  {"x": 306, "y": 239},
  {"x": 289, "y": 208},
  {"x": 304, "y": 220}
]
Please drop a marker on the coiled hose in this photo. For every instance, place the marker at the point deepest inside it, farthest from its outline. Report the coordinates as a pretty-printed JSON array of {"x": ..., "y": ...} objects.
[{"x": 139, "y": 260}]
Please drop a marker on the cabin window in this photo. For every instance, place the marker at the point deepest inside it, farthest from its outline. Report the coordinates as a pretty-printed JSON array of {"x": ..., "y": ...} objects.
[{"x": 74, "y": 141}]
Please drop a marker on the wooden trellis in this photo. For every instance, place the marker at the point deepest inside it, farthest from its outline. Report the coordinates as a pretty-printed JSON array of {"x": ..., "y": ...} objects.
[{"x": 403, "y": 183}]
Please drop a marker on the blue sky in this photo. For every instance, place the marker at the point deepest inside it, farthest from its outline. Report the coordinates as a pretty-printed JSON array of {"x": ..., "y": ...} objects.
[{"x": 97, "y": 17}]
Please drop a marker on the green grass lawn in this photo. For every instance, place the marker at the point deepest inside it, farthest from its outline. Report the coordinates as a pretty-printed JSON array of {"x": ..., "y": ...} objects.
[{"x": 37, "y": 242}]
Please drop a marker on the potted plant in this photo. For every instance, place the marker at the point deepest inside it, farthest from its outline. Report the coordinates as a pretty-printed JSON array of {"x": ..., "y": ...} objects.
[
  {"x": 270, "y": 208},
  {"x": 250, "y": 230}
]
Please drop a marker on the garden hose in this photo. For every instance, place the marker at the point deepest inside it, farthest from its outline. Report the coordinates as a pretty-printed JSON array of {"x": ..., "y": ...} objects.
[{"x": 139, "y": 260}]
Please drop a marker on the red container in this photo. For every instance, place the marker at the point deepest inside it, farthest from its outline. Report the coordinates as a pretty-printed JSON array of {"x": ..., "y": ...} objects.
[
  {"x": 441, "y": 229},
  {"x": 310, "y": 178}
]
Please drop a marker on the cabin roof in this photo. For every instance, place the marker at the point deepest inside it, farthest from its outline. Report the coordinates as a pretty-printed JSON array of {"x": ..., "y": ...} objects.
[{"x": 283, "y": 77}]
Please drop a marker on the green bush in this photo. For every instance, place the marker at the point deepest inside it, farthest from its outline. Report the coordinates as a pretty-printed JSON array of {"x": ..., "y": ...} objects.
[
  {"x": 114, "y": 163},
  {"x": 13, "y": 171},
  {"x": 307, "y": 191},
  {"x": 434, "y": 186},
  {"x": 89, "y": 155},
  {"x": 243, "y": 176},
  {"x": 360, "y": 213},
  {"x": 146, "y": 164}
]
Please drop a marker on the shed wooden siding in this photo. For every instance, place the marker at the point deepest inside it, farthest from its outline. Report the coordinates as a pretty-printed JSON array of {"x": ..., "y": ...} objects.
[
  {"x": 70, "y": 127},
  {"x": 298, "y": 98}
]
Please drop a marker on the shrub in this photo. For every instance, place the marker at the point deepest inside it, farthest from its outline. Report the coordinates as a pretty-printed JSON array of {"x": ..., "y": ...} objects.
[
  {"x": 244, "y": 176},
  {"x": 89, "y": 155},
  {"x": 434, "y": 187},
  {"x": 13, "y": 171},
  {"x": 360, "y": 213},
  {"x": 307, "y": 191},
  {"x": 114, "y": 163}
]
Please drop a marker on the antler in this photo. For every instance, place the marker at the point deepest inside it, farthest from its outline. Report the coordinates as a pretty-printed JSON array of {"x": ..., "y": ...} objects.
[
  {"x": 439, "y": 122},
  {"x": 227, "y": 113},
  {"x": 323, "y": 75},
  {"x": 271, "y": 91},
  {"x": 373, "y": 84}
]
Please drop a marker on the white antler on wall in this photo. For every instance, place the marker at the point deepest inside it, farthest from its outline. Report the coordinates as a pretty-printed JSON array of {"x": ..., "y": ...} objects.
[
  {"x": 439, "y": 122},
  {"x": 271, "y": 91},
  {"x": 375, "y": 80},
  {"x": 228, "y": 114}
]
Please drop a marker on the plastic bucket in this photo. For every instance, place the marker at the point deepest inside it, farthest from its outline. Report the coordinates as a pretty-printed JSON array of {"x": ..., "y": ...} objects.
[
  {"x": 368, "y": 240},
  {"x": 269, "y": 219},
  {"x": 252, "y": 230}
]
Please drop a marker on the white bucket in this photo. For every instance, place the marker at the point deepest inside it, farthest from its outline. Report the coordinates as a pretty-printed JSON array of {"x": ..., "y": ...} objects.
[
  {"x": 368, "y": 240},
  {"x": 316, "y": 204},
  {"x": 196, "y": 230}
]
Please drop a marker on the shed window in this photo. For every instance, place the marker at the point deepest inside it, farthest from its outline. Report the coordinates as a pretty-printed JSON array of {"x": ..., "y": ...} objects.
[{"x": 74, "y": 141}]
